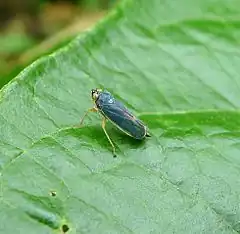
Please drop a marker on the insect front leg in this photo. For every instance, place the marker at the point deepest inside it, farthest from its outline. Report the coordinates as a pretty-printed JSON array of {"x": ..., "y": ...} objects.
[
  {"x": 93, "y": 109},
  {"x": 109, "y": 139}
]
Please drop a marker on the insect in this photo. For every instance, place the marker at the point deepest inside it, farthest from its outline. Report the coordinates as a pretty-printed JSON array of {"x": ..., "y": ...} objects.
[{"x": 114, "y": 111}]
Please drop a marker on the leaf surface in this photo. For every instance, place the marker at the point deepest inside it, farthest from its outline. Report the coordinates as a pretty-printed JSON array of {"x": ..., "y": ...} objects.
[{"x": 175, "y": 64}]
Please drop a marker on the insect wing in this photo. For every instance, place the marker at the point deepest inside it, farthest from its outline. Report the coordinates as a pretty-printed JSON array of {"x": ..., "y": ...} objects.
[{"x": 124, "y": 120}]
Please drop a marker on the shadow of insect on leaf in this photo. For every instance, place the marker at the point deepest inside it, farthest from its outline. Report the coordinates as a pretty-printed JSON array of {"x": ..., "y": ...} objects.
[
  {"x": 124, "y": 139},
  {"x": 96, "y": 135},
  {"x": 93, "y": 131}
]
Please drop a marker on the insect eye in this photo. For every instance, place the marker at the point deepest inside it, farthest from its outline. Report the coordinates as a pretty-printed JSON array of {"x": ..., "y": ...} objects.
[{"x": 95, "y": 95}]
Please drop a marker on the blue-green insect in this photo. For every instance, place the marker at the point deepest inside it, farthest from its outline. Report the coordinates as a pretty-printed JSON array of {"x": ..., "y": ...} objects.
[{"x": 118, "y": 114}]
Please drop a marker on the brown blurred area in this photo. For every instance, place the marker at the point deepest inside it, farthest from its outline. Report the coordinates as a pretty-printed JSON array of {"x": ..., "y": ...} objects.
[{"x": 30, "y": 28}]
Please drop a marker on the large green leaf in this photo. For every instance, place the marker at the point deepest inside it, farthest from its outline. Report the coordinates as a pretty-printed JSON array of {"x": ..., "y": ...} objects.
[{"x": 173, "y": 63}]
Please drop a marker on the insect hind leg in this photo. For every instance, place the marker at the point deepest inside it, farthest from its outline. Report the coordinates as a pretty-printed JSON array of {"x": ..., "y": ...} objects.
[{"x": 109, "y": 139}]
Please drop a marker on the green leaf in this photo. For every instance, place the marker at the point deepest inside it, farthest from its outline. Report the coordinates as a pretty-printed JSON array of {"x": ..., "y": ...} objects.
[{"x": 175, "y": 64}]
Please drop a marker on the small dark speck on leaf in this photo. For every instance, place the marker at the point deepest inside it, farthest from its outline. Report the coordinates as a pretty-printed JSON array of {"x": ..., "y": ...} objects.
[
  {"x": 53, "y": 193},
  {"x": 65, "y": 228}
]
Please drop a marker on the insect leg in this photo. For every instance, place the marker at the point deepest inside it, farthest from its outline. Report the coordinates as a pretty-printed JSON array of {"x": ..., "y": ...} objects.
[
  {"x": 109, "y": 139},
  {"x": 93, "y": 109}
]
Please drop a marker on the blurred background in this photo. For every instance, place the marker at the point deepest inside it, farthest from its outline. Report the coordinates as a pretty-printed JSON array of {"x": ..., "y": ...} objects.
[{"x": 32, "y": 28}]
